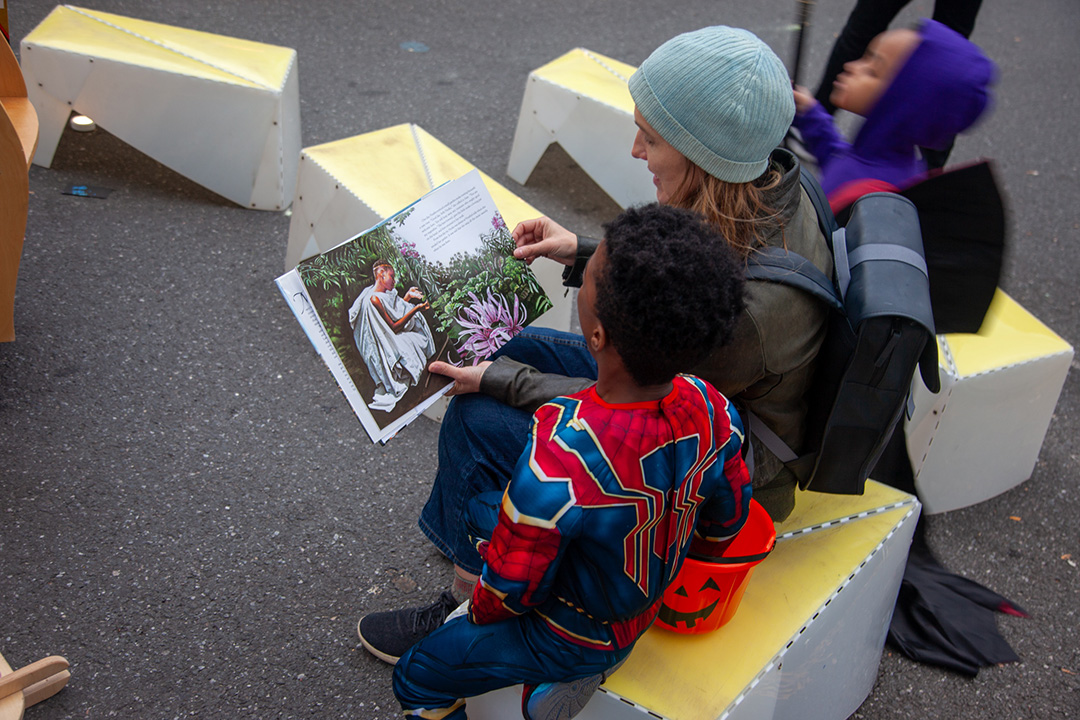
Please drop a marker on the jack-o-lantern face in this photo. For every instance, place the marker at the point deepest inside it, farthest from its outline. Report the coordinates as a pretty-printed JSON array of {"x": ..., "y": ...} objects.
[
  {"x": 705, "y": 594},
  {"x": 680, "y": 608}
]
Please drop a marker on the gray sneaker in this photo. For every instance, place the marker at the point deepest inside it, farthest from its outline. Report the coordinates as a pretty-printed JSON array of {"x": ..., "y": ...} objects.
[
  {"x": 562, "y": 700},
  {"x": 387, "y": 635},
  {"x": 558, "y": 700}
]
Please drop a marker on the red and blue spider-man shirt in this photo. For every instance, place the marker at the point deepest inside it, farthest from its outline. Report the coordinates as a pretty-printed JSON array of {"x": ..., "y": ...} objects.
[{"x": 603, "y": 507}]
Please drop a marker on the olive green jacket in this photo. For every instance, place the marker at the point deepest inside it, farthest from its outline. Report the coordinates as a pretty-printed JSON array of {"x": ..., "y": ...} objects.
[{"x": 765, "y": 369}]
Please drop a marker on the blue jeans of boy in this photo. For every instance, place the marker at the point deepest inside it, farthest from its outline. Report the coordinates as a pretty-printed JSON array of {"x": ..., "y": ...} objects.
[{"x": 462, "y": 660}]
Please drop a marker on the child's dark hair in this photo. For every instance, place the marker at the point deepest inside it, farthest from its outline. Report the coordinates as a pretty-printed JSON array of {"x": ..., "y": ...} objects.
[{"x": 670, "y": 292}]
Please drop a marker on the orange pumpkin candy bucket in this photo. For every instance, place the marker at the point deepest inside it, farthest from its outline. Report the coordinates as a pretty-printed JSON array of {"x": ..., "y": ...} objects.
[{"x": 706, "y": 594}]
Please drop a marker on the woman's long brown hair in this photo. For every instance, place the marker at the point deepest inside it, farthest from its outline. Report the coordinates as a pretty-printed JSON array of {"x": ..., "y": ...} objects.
[{"x": 738, "y": 210}]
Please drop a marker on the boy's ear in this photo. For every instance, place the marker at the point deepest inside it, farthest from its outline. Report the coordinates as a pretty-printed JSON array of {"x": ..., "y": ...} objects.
[{"x": 598, "y": 338}]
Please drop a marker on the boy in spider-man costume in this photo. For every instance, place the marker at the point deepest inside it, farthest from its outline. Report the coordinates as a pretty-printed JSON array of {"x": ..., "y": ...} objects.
[{"x": 617, "y": 484}]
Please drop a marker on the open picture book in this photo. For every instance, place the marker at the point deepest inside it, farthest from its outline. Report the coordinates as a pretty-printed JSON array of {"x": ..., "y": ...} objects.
[{"x": 435, "y": 281}]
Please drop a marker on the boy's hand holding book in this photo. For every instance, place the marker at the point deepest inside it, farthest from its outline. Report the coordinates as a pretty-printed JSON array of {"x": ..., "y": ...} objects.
[{"x": 466, "y": 379}]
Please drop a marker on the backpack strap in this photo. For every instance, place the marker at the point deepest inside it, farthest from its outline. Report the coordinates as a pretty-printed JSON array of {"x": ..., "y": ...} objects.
[
  {"x": 789, "y": 268},
  {"x": 835, "y": 235},
  {"x": 826, "y": 219},
  {"x": 758, "y": 429},
  {"x": 775, "y": 264},
  {"x": 888, "y": 251}
]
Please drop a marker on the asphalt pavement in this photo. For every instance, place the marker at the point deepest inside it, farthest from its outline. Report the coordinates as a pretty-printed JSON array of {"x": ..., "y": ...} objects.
[{"x": 191, "y": 514}]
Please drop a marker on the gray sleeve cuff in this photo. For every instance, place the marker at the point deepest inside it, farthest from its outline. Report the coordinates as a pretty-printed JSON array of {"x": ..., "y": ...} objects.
[
  {"x": 524, "y": 387},
  {"x": 572, "y": 274}
]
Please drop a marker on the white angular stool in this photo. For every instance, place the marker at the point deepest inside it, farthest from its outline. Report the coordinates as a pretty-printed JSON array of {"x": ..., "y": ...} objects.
[
  {"x": 221, "y": 111},
  {"x": 981, "y": 435},
  {"x": 805, "y": 643},
  {"x": 347, "y": 186},
  {"x": 581, "y": 101}
]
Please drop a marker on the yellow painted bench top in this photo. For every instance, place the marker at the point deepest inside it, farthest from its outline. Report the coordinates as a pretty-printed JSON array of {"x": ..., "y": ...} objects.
[
  {"x": 419, "y": 161},
  {"x": 1010, "y": 335},
  {"x": 163, "y": 47},
  {"x": 591, "y": 75},
  {"x": 819, "y": 549}
]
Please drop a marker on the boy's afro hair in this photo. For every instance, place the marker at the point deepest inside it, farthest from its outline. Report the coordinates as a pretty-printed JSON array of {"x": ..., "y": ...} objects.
[{"x": 670, "y": 292}]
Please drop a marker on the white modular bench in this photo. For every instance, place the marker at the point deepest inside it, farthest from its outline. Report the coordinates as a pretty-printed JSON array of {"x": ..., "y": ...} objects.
[
  {"x": 580, "y": 101},
  {"x": 221, "y": 111},
  {"x": 347, "y": 186},
  {"x": 981, "y": 435},
  {"x": 805, "y": 643}
]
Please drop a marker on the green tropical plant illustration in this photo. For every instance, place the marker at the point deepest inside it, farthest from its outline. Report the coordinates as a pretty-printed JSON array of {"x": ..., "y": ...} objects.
[{"x": 479, "y": 299}]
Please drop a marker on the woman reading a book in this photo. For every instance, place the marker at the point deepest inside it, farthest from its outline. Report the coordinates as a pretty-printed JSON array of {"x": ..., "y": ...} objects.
[{"x": 711, "y": 108}]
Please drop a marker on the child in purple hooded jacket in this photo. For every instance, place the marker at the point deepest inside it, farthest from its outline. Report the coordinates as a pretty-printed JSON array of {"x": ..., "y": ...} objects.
[{"x": 916, "y": 88}]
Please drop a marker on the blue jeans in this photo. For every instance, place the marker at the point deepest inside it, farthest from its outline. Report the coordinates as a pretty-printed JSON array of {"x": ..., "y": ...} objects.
[
  {"x": 461, "y": 660},
  {"x": 481, "y": 440}
]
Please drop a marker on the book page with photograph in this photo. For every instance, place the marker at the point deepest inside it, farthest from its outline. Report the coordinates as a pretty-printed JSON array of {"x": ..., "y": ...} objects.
[{"x": 436, "y": 281}]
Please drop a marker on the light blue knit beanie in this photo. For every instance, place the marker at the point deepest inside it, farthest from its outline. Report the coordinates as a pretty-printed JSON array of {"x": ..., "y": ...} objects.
[{"x": 719, "y": 96}]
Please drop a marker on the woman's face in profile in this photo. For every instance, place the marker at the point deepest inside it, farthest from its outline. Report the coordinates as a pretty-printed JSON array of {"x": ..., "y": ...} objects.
[{"x": 668, "y": 165}]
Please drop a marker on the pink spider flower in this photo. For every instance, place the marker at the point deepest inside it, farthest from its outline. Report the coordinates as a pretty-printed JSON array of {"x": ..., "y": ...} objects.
[{"x": 488, "y": 324}]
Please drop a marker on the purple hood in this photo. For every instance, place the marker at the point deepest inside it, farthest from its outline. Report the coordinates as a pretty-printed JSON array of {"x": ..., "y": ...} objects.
[
  {"x": 939, "y": 92},
  {"x": 942, "y": 89}
]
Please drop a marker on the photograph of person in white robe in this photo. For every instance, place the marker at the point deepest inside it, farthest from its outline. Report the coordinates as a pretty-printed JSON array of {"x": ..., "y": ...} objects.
[{"x": 392, "y": 336}]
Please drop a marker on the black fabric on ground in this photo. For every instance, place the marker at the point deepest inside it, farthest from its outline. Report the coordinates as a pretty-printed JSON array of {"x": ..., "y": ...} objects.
[
  {"x": 944, "y": 619},
  {"x": 940, "y": 618}
]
